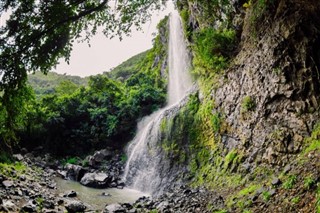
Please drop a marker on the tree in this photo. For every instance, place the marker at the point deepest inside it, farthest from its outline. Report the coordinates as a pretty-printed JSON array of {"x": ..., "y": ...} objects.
[{"x": 38, "y": 33}]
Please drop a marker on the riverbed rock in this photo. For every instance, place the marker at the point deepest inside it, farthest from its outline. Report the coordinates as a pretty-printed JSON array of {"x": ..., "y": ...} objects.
[
  {"x": 18, "y": 157},
  {"x": 113, "y": 208},
  {"x": 7, "y": 183},
  {"x": 70, "y": 194},
  {"x": 9, "y": 206},
  {"x": 96, "y": 180},
  {"x": 74, "y": 172},
  {"x": 74, "y": 206},
  {"x": 29, "y": 207}
]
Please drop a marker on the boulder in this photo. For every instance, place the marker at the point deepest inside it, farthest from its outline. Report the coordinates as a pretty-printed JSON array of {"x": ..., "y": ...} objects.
[
  {"x": 99, "y": 156},
  {"x": 96, "y": 180},
  {"x": 9, "y": 205},
  {"x": 114, "y": 208},
  {"x": 70, "y": 194},
  {"x": 18, "y": 157},
  {"x": 75, "y": 206},
  {"x": 7, "y": 183},
  {"x": 29, "y": 208},
  {"x": 74, "y": 172}
]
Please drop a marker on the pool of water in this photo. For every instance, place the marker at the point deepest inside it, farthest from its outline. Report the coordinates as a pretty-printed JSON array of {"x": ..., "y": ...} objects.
[{"x": 94, "y": 197}]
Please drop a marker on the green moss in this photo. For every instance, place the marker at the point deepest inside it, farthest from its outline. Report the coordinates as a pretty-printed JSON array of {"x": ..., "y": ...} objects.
[
  {"x": 124, "y": 158},
  {"x": 241, "y": 199},
  {"x": 230, "y": 157},
  {"x": 212, "y": 50},
  {"x": 249, "y": 190},
  {"x": 71, "y": 160},
  {"x": 12, "y": 169},
  {"x": 290, "y": 182},
  {"x": 220, "y": 211},
  {"x": 295, "y": 200},
  {"x": 248, "y": 104},
  {"x": 309, "y": 182},
  {"x": 266, "y": 196},
  {"x": 216, "y": 122}
]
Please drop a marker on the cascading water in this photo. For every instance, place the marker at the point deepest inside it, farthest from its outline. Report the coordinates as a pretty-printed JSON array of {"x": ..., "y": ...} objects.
[{"x": 144, "y": 170}]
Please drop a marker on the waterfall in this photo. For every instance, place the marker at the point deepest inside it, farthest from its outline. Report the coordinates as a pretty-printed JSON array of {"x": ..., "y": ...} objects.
[{"x": 144, "y": 168}]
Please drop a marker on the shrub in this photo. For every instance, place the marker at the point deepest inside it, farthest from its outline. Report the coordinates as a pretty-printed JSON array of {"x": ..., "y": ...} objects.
[
  {"x": 295, "y": 200},
  {"x": 212, "y": 49},
  {"x": 309, "y": 182},
  {"x": 292, "y": 179},
  {"x": 248, "y": 104},
  {"x": 266, "y": 196}
]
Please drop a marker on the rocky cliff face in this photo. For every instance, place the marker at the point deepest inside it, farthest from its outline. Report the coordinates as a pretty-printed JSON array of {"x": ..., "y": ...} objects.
[
  {"x": 276, "y": 72},
  {"x": 269, "y": 95},
  {"x": 253, "y": 119}
]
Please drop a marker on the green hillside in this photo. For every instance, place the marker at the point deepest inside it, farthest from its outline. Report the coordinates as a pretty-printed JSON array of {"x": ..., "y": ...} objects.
[
  {"x": 46, "y": 84},
  {"x": 127, "y": 68}
]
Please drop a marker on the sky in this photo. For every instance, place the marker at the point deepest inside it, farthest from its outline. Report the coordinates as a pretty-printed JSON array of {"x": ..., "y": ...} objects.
[{"x": 104, "y": 53}]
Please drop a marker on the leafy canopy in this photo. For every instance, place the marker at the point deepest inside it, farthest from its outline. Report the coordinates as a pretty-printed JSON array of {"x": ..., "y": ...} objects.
[{"x": 38, "y": 33}]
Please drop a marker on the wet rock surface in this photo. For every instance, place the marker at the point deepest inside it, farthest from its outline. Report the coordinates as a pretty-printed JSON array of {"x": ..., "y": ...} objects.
[{"x": 181, "y": 199}]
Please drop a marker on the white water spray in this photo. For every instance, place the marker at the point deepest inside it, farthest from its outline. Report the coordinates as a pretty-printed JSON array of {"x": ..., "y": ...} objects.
[{"x": 142, "y": 171}]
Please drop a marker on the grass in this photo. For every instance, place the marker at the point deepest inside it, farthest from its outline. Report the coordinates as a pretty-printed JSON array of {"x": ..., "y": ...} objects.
[
  {"x": 12, "y": 169},
  {"x": 290, "y": 182},
  {"x": 71, "y": 160},
  {"x": 309, "y": 182},
  {"x": 249, "y": 190},
  {"x": 220, "y": 211},
  {"x": 266, "y": 196},
  {"x": 295, "y": 200},
  {"x": 230, "y": 158}
]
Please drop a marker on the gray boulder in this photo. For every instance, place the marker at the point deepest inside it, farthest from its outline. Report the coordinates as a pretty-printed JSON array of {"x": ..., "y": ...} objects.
[
  {"x": 99, "y": 156},
  {"x": 112, "y": 208},
  {"x": 7, "y": 183},
  {"x": 75, "y": 206},
  {"x": 96, "y": 180},
  {"x": 74, "y": 172}
]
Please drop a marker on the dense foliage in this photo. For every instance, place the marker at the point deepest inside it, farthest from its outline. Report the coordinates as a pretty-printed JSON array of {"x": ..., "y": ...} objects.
[
  {"x": 47, "y": 84},
  {"x": 38, "y": 33},
  {"x": 127, "y": 68},
  {"x": 74, "y": 119}
]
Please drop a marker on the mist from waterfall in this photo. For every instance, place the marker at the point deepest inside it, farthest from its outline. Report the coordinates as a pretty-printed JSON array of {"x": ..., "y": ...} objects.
[{"x": 143, "y": 169}]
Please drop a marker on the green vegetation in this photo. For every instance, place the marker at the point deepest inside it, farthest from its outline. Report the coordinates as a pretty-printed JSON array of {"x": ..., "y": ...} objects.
[
  {"x": 34, "y": 38},
  {"x": 295, "y": 200},
  {"x": 72, "y": 160},
  {"x": 128, "y": 68},
  {"x": 289, "y": 183},
  {"x": 124, "y": 158},
  {"x": 216, "y": 122},
  {"x": 266, "y": 196},
  {"x": 72, "y": 116},
  {"x": 313, "y": 142},
  {"x": 248, "y": 104},
  {"x": 212, "y": 49},
  {"x": 318, "y": 199},
  {"x": 309, "y": 182},
  {"x": 13, "y": 170},
  {"x": 51, "y": 82},
  {"x": 220, "y": 211},
  {"x": 241, "y": 199}
]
